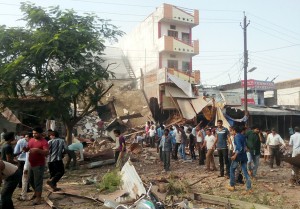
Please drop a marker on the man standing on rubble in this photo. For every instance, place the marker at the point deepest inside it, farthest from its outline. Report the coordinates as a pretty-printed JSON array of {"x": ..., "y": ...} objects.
[
  {"x": 199, "y": 143},
  {"x": 120, "y": 145},
  {"x": 183, "y": 143},
  {"x": 274, "y": 141},
  {"x": 38, "y": 150},
  {"x": 160, "y": 133},
  {"x": 166, "y": 146},
  {"x": 18, "y": 150},
  {"x": 222, "y": 135},
  {"x": 295, "y": 143},
  {"x": 177, "y": 139}
]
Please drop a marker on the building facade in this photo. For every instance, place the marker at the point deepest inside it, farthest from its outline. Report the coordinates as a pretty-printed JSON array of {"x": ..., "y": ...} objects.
[
  {"x": 286, "y": 94},
  {"x": 160, "y": 51}
]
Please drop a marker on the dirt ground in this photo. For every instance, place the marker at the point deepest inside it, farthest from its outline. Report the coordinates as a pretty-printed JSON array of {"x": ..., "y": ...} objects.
[{"x": 272, "y": 187}]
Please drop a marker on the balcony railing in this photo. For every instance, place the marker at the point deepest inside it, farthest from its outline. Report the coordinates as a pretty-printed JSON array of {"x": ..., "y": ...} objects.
[
  {"x": 171, "y": 44},
  {"x": 192, "y": 77},
  {"x": 169, "y": 12}
]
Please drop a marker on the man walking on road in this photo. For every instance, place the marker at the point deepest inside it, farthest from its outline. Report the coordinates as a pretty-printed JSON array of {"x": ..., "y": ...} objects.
[
  {"x": 295, "y": 143},
  {"x": 57, "y": 147},
  {"x": 254, "y": 140},
  {"x": 274, "y": 141}
]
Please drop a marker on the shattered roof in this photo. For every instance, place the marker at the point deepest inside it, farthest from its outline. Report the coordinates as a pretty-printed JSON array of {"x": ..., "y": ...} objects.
[{"x": 128, "y": 102}]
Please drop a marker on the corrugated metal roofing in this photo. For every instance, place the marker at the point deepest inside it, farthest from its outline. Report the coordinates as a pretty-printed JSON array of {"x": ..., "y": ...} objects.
[{"x": 184, "y": 85}]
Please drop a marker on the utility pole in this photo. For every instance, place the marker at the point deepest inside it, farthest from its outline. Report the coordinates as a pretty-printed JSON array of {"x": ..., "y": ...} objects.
[{"x": 244, "y": 27}]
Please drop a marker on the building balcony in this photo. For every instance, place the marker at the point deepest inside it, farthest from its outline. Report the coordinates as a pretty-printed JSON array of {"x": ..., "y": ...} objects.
[
  {"x": 162, "y": 75},
  {"x": 179, "y": 15},
  {"x": 171, "y": 44}
]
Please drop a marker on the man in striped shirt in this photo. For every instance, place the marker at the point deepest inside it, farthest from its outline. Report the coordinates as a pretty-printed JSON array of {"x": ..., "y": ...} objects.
[{"x": 57, "y": 147}]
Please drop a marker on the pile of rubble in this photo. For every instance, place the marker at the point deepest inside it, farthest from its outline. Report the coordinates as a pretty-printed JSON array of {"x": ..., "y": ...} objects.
[{"x": 88, "y": 126}]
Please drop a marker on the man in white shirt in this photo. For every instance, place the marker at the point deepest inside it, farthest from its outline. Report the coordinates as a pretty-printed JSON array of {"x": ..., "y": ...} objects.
[
  {"x": 152, "y": 133},
  {"x": 274, "y": 141},
  {"x": 209, "y": 143},
  {"x": 295, "y": 143},
  {"x": 178, "y": 140}
]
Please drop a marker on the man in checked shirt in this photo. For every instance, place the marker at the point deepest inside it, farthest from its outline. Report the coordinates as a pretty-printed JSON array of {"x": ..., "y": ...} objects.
[{"x": 57, "y": 148}]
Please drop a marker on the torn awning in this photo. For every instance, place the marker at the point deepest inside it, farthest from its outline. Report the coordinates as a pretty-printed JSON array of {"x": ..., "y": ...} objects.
[
  {"x": 220, "y": 116},
  {"x": 184, "y": 85},
  {"x": 186, "y": 108},
  {"x": 199, "y": 104},
  {"x": 175, "y": 92}
]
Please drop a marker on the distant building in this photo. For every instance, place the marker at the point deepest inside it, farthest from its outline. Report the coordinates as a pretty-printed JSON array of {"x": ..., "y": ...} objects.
[
  {"x": 286, "y": 94},
  {"x": 270, "y": 105},
  {"x": 160, "y": 51},
  {"x": 233, "y": 94}
]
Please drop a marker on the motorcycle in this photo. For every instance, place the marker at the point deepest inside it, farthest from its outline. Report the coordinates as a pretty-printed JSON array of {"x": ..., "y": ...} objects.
[{"x": 145, "y": 201}]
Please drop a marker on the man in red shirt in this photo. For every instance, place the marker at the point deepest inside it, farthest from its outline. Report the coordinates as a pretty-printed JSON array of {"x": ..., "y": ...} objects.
[{"x": 38, "y": 150}]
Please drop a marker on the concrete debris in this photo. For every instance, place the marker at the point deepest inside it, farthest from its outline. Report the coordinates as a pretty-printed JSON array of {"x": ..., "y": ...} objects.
[
  {"x": 88, "y": 127},
  {"x": 89, "y": 181},
  {"x": 135, "y": 148}
]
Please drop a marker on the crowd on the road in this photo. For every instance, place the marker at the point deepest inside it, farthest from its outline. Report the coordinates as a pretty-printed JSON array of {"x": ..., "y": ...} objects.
[
  {"x": 238, "y": 148},
  {"x": 26, "y": 158}
]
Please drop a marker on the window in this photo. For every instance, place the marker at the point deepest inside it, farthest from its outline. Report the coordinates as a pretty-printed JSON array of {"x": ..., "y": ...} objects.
[
  {"x": 173, "y": 64},
  {"x": 186, "y": 38},
  {"x": 173, "y": 33},
  {"x": 185, "y": 66},
  {"x": 173, "y": 27}
]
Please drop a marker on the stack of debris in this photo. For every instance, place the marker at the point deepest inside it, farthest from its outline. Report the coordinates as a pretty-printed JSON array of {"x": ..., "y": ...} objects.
[
  {"x": 99, "y": 151},
  {"x": 88, "y": 126}
]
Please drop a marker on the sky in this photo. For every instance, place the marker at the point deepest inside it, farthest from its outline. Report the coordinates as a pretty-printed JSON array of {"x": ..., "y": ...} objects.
[{"x": 273, "y": 32}]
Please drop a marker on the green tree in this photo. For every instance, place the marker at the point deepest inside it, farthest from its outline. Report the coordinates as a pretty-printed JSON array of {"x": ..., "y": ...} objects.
[{"x": 57, "y": 56}]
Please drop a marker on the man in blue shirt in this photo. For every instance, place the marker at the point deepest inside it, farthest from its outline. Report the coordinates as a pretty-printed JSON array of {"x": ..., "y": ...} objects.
[
  {"x": 239, "y": 157},
  {"x": 222, "y": 135},
  {"x": 18, "y": 151},
  {"x": 160, "y": 133},
  {"x": 166, "y": 146}
]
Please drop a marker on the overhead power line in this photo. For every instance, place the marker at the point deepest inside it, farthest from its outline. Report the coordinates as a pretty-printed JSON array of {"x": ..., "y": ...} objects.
[
  {"x": 273, "y": 49},
  {"x": 279, "y": 26},
  {"x": 278, "y": 31},
  {"x": 272, "y": 35}
]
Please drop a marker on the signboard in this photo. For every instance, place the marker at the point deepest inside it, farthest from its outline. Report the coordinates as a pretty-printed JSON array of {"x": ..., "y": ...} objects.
[
  {"x": 249, "y": 101},
  {"x": 259, "y": 85},
  {"x": 231, "y": 98}
]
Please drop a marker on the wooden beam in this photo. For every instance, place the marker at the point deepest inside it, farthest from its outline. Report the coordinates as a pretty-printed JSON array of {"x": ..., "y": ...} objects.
[{"x": 226, "y": 202}]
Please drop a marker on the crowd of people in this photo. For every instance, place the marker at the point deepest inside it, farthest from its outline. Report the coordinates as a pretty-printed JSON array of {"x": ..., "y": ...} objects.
[
  {"x": 24, "y": 162},
  {"x": 238, "y": 148}
]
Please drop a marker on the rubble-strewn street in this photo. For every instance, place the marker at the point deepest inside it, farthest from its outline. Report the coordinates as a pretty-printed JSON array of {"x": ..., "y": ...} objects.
[
  {"x": 149, "y": 105},
  {"x": 271, "y": 188}
]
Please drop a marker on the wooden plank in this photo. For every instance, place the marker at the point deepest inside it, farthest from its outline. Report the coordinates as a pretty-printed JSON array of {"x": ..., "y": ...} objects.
[
  {"x": 49, "y": 202},
  {"x": 226, "y": 202},
  {"x": 136, "y": 115},
  {"x": 100, "y": 163}
]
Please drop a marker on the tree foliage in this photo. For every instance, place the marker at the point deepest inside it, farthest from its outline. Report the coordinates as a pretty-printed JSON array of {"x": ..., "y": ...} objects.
[{"x": 57, "y": 56}]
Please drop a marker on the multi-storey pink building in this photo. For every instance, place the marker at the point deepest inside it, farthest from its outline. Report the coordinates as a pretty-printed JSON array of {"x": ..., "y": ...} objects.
[{"x": 160, "y": 51}]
